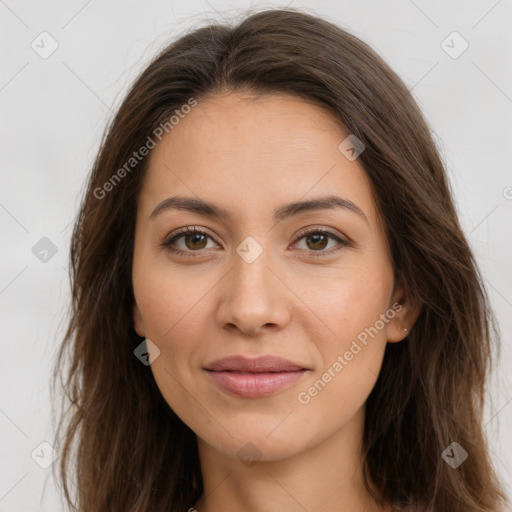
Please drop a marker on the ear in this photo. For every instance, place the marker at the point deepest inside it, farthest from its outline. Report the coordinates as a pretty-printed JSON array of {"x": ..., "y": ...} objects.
[
  {"x": 138, "y": 324},
  {"x": 407, "y": 310}
]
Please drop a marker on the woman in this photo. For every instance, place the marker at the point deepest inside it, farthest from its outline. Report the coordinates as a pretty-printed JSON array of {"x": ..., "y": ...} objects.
[{"x": 223, "y": 354}]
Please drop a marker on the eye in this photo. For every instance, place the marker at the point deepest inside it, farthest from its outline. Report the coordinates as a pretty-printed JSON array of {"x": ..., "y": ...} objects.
[
  {"x": 196, "y": 239},
  {"x": 319, "y": 239}
]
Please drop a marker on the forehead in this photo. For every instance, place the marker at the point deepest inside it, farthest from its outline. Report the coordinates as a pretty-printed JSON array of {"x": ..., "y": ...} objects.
[
  {"x": 252, "y": 153},
  {"x": 243, "y": 127}
]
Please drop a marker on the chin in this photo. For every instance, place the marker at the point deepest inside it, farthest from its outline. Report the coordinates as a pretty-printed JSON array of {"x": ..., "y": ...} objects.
[
  {"x": 253, "y": 447},
  {"x": 261, "y": 439}
]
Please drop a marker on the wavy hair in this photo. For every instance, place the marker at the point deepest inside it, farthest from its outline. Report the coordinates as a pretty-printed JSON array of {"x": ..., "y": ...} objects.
[{"x": 122, "y": 447}]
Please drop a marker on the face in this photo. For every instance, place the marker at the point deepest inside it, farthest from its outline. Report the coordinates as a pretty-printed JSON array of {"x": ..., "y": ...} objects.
[{"x": 310, "y": 285}]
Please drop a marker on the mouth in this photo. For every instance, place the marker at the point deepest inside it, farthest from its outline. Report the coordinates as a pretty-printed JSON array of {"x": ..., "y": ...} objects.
[{"x": 252, "y": 378}]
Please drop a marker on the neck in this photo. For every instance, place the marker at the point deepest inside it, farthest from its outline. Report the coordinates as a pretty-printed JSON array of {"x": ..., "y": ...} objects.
[{"x": 325, "y": 477}]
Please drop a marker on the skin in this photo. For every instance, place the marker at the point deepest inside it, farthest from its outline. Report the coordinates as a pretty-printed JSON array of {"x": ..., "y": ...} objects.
[{"x": 250, "y": 156}]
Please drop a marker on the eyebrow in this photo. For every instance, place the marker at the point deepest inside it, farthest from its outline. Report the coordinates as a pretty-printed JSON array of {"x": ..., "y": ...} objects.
[{"x": 207, "y": 209}]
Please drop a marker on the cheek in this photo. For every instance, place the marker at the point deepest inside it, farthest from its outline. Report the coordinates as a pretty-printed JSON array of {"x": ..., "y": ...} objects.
[
  {"x": 174, "y": 319},
  {"x": 348, "y": 304},
  {"x": 170, "y": 299},
  {"x": 175, "y": 310},
  {"x": 352, "y": 348},
  {"x": 351, "y": 358}
]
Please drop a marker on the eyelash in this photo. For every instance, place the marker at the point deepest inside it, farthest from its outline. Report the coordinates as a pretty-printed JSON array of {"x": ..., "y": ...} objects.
[{"x": 167, "y": 243}]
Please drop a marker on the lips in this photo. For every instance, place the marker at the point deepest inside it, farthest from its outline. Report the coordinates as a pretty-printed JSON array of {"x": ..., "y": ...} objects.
[
  {"x": 258, "y": 365},
  {"x": 257, "y": 377}
]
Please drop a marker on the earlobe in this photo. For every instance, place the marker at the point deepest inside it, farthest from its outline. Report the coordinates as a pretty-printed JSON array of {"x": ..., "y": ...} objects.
[
  {"x": 403, "y": 322},
  {"x": 138, "y": 324}
]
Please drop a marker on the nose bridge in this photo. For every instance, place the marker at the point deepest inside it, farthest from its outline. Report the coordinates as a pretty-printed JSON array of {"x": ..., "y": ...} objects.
[
  {"x": 250, "y": 267},
  {"x": 251, "y": 281}
]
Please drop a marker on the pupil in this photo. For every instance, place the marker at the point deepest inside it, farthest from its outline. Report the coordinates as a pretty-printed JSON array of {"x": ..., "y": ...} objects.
[
  {"x": 317, "y": 238},
  {"x": 195, "y": 239}
]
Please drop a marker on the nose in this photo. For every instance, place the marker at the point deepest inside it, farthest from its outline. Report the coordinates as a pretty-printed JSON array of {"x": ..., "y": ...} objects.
[{"x": 253, "y": 297}]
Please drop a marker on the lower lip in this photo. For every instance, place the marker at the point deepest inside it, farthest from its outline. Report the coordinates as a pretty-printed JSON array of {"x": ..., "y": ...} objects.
[{"x": 255, "y": 384}]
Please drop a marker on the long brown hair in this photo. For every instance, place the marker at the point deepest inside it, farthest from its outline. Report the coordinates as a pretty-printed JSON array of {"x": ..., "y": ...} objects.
[{"x": 122, "y": 447}]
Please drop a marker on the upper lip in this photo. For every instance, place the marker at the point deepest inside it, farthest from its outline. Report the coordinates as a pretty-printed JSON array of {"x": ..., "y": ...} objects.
[{"x": 254, "y": 365}]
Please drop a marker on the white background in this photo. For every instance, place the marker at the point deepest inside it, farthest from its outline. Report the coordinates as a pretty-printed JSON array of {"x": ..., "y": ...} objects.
[{"x": 53, "y": 114}]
